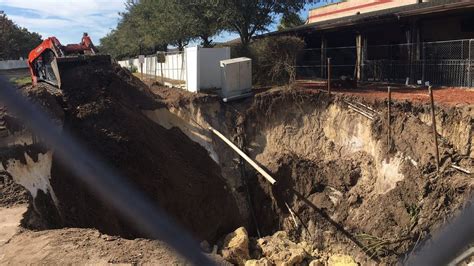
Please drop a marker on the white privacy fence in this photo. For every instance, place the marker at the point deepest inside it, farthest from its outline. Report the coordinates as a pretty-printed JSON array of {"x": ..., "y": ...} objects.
[
  {"x": 173, "y": 68},
  {"x": 198, "y": 68},
  {"x": 13, "y": 64}
]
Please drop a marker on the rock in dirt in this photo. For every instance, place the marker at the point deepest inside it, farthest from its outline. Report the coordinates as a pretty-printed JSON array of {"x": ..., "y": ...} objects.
[
  {"x": 260, "y": 262},
  {"x": 281, "y": 251},
  {"x": 341, "y": 260},
  {"x": 236, "y": 247}
]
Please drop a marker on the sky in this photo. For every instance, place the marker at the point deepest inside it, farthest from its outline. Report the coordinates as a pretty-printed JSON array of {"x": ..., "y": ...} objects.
[{"x": 68, "y": 19}]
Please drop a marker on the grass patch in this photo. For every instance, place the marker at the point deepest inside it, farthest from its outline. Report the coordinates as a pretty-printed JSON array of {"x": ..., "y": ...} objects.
[
  {"x": 378, "y": 246},
  {"x": 20, "y": 81}
]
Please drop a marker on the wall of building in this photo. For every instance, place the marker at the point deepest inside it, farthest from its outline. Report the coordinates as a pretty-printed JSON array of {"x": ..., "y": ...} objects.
[
  {"x": 454, "y": 27},
  {"x": 353, "y": 7}
]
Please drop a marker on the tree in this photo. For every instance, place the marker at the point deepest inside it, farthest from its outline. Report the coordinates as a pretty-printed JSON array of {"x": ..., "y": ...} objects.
[
  {"x": 178, "y": 22},
  {"x": 15, "y": 41},
  {"x": 204, "y": 16},
  {"x": 133, "y": 34},
  {"x": 248, "y": 17},
  {"x": 290, "y": 20},
  {"x": 150, "y": 25},
  {"x": 274, "y": 59}
]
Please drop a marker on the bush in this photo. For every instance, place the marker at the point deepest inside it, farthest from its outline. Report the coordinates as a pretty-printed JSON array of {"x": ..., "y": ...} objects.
[
  {"x": 274, "y": 59},
  {"x": 133, "y": 69}
]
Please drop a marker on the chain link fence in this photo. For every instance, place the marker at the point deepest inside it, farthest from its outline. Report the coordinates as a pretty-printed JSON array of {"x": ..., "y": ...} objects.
[
  {"x": 444, "y": 63},
  {"x": 313, "y": 63}
]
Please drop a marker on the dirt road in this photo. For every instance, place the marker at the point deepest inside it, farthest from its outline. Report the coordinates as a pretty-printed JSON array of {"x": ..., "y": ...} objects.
[{"x": 10, "y": 221}]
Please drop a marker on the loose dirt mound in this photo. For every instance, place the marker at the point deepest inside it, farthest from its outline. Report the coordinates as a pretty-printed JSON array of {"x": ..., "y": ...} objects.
[
  {"x": 11, "y": 194},
  {"x": 102, "y": 108},
  {"x": 85, "y": 247}
]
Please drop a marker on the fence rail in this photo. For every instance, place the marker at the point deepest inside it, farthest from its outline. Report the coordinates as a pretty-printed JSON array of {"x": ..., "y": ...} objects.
[{"x": 445, "y": 63}]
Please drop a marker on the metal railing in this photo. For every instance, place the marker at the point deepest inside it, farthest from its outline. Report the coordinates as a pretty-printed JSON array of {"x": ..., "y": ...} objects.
[{"x": 443, "y": 63}]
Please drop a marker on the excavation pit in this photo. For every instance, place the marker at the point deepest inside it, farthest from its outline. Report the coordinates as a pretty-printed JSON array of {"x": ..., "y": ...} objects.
[{"x": 341, "y": 185}]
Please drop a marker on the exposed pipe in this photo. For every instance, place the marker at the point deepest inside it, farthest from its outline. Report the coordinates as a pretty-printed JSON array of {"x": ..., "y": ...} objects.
[
  {"x": 360, "y": 112},
  {"x": 461, "y": 169},
  {"x": 433, "y": 122},
  {"x": 292, "y": 215},
  {"x": 241, "y": 153},
  {"x": 237, "y": 97}
]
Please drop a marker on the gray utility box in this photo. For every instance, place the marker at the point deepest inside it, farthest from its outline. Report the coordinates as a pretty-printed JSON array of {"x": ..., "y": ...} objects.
[{"x": 236, "y": 77}]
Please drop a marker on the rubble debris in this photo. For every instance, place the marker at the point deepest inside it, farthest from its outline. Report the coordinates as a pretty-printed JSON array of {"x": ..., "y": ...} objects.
[
  {"x": 341, "y": 260},
  {"x": 281, "y": 251},
  {"x": 236, "y": 247}
]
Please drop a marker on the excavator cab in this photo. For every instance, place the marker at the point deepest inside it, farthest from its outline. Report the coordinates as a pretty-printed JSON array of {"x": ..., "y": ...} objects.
[
  {"x": 50, "y": 59},
  {"x": 45, "y": 68}
]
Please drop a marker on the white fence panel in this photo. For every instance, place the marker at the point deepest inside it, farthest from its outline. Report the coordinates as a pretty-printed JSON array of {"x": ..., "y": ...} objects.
[
  {"x": 198, "y": 67},
  {"x": 174, "y": 67},
  {"x": 13, "y": 64}
]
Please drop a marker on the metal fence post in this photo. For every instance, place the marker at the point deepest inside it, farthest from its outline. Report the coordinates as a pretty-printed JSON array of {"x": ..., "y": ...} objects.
[
  {"x": 469, "y": 65},
  {"x": 389, "y": 119},
  {"x": 329, "y": 75},
  {"x": 323, "y": 54},
  {"x": 423, "y": 62}
]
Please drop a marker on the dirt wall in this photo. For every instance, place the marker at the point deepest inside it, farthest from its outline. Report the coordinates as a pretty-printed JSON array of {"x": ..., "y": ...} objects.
[
  {"x": 348, "y": 189},
  {"x": 102, "y": 107}
]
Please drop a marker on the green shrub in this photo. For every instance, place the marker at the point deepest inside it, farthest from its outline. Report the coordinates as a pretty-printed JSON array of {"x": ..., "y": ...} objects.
[
  {"x": 274, "y": 59},
  {"x": 133, "y": 69}
]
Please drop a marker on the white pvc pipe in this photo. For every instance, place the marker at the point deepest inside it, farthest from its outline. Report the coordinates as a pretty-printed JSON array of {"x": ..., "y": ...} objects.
[{"x": 241, "y": 153}]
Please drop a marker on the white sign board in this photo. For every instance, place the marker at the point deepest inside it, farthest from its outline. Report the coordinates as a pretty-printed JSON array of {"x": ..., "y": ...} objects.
[{"x": 141, "y": 59}]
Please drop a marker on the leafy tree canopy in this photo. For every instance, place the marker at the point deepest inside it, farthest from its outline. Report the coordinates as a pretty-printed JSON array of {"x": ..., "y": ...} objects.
[
  {"x": 150, "y": 25},
  {"x": 15, "y": 41},
  {"x": 290, "y": 20}
]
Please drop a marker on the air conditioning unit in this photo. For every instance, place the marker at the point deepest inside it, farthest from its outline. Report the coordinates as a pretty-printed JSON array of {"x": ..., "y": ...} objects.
[{"x": 236, "y": 78}]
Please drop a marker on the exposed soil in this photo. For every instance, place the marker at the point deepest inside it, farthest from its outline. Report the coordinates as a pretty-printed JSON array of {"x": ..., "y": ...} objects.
[
  {"x": 342, "y": 187},
  {"x": 349, "y": 191},
  {"x": 102, "y": 107},
  {"x": 349, "y": 186},
  {"x": 11, "y": 194},
  {"x": 20, "y": 246},
  {"x": 87, "y": 246},
  {"x": 446, "y": 96}
]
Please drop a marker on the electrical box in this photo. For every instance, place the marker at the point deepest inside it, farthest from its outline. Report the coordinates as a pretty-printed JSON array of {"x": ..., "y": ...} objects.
[
  {"x": 141, "y": 59},
  {"x": 236, "y": 77}
]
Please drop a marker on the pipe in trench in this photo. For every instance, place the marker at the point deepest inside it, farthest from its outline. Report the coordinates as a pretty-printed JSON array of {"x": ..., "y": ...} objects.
[{"x": 243, "y": 155}]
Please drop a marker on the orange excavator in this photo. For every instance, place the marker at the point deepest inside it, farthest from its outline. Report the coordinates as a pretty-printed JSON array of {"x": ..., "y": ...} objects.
[{"x": 47, "y": 60}]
